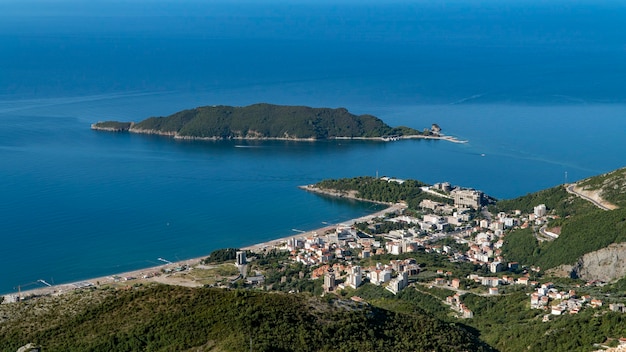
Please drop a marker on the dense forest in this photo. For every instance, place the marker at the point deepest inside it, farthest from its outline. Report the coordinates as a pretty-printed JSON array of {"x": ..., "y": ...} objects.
[
  {"x": 172, "y": 318},
  {"x": 580, "y": 234},
  {"x": 269, "y": 121},
  {"x": 380, "y": 190}
]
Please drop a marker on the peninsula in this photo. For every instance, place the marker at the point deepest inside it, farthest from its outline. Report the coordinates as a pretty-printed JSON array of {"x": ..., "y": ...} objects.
[{"x": 270, "y": 122}]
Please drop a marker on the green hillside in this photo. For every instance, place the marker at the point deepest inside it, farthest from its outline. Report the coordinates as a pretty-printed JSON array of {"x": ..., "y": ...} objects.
[
  {"x": 584, "y": 227},
  {"x": 580, "y": 234},
  {"x": 269, "y": 121},
  {"x": 379, "y": 190},
  {"x": 612, "y": 186},
  {"x": 172, "y": 318},
  {"x": 556, "y": 199}
]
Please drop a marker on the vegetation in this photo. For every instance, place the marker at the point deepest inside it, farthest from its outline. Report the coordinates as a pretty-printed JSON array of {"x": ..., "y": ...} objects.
[
  {"x": 408, "y": 301},
  {"x": 521, "y": 246},
  {"x": 270, "y": 121},
  {"x": 167, "y": 318},
  {"x": 612, "y": 186},
  {"x": 221, "y": 255},
  {"x": 113, "y": 125},
  {"x": 556, "y": 199},
  {"x": 583, "y": 234},
  {"x": 584, "y": 228},
  {"x": 580, "y": 234},
  {"x": 509, "y": 324},
  {"x": 379, "y": 190}
]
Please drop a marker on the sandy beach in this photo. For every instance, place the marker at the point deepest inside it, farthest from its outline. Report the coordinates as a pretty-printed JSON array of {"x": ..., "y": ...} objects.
[{"x": 155, "y": 274}]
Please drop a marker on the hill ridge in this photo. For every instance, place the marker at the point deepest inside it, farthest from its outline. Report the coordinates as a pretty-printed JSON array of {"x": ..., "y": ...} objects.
[{"x": 267, "y": 121}]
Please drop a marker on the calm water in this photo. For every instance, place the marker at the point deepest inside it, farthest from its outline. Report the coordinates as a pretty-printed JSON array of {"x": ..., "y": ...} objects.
[{"x": 538, "y": 89}]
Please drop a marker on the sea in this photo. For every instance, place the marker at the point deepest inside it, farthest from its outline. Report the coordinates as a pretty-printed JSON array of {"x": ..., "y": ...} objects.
[{"x": 537, "y": 88}]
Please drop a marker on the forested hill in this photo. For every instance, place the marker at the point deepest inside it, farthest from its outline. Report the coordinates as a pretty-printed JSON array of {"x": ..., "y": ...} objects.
[
  {"x": 266, "y": 121},
  {"x": 584, "y": 228},
  {"x": 172, "y": 318}
]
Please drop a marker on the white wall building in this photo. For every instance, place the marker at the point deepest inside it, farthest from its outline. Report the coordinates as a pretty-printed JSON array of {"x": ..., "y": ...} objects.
[
  {"x": 540, "y": 210},
  {"x": 354, "y": 279}
]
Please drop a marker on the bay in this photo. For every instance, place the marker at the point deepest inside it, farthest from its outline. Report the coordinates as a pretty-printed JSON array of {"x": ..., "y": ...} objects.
[{"x": 537, "y": 89}]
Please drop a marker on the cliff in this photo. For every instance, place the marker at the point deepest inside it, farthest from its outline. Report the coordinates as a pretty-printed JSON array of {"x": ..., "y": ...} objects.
[{"x": 606, "y": 264}]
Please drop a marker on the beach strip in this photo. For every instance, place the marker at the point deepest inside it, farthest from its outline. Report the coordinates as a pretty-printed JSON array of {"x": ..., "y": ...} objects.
[{"x": 149, "y": 273}]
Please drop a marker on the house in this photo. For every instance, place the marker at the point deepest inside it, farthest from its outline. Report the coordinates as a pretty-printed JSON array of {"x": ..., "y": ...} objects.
[
  {"x": 440, "y": 282},
  {"x": 617, "y": 307},
  {"x": 467, "y": 313},
  {"x": 495, "y": 267},
  {"x": 557, "y": 310},
  {"x": 398, "y": 284},
  {"x": 378, "y": 276},
  {"x": 596, "y": 303},
  {"x": 490, "y": 281}
]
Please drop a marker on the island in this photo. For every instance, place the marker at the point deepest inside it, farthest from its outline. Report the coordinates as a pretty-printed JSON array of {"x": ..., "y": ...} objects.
[{"x": 271, "y": 122}]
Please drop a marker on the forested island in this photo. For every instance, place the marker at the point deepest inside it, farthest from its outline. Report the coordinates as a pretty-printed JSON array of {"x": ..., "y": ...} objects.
[{"x": 267, "y": 121}]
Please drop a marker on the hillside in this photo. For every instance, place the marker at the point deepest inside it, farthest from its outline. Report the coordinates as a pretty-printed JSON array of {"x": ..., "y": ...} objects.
[
  {"x": 172, "y": 318},
  {"x": 265, "y": 121},
  {"x": 610, "y": 187},
  {"x": 380, "y": 190},
  {"x": 584, "y": 227}
]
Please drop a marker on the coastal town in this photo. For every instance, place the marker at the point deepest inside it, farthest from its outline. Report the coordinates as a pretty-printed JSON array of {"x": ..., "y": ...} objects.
[
  {"x": 448, "y": 250},
  {"x": 450, "y": 230},
  {"x": 459, "y": 228}
]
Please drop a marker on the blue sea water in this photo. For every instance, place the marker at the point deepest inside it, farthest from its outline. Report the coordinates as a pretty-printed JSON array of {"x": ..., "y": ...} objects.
[{"x": 537, "y": 88}]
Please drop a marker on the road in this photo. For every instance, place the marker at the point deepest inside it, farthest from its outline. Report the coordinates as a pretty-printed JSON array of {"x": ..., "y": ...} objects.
[{"x": 570, "y": 189}]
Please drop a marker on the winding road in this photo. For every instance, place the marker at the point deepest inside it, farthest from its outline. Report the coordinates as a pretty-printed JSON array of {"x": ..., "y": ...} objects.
[{"x": 570, "y": 189}]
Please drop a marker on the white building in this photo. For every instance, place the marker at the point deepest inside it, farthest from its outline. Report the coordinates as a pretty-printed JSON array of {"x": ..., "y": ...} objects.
[
  {"x": 378, "y": 276},
  {"x": 241, "y": 263},
  {"x": 496, "y": 266},
  {"x": 510, "y": 222},
  {"x": 329, "y": 280},
  {"x": 540, "y": 210},
  {"x": 241, "y": 258},
  {"x": 354, "y": 279},
  {"x": 399, "y": 283},
  {"x": 467, "y": 197}
]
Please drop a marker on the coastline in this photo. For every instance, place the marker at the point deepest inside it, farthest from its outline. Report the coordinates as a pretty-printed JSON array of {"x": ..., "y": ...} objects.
[
  {"x": 175, "y": 135},
  {"x": 154, "y": 274}
]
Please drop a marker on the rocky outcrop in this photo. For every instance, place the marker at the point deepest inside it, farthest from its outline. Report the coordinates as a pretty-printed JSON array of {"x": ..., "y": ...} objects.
[
  {"x": 156, "y": 132},
  {"x": 606, "y": 264},
  {"x": 29, "y": 348},
  {"x": 112, "y": 126}
]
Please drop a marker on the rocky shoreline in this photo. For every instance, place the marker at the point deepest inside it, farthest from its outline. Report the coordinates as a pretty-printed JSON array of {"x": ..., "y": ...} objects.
[{"x": 99, "y": 126}]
